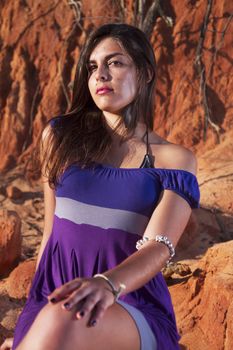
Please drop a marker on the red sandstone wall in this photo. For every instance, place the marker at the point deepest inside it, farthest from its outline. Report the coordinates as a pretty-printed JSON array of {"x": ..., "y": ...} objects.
[{"x": 40, "y": 44}]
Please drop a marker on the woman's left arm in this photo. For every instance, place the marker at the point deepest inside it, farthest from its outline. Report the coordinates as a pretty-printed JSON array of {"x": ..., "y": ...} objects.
[{"x": 169, "y": 219}]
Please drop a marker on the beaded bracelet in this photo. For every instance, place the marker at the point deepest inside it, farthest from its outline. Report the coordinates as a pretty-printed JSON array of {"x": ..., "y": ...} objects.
[
  {"x": 116, "y": 292},
  {"x": 160, "y": 239}
]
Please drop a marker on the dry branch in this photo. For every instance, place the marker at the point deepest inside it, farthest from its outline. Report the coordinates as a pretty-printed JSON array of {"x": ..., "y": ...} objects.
[
  {"x": 149, "y": 20},
  {"x": 76, "y": 7},
  {"x": 140, "y": 14},
  {"x": 201, "y": 70},
  {"x": 123, "y": 9},
  {"x": 31, "y": 117},
  {"x": 168, "y": 20},
  {"x": 31, "y": 23},
  {"x": 223, "y": 32}
]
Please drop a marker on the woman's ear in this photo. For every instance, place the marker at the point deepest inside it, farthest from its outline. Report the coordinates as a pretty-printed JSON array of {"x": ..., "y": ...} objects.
[{"x": 150, "y": 75}]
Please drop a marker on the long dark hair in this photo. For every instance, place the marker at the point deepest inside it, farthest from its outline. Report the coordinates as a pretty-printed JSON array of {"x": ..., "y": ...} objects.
[{"x": 81, "y": 135}]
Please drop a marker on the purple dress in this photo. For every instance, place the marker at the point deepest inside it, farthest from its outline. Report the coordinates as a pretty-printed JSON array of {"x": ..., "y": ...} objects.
[{"x": 100, "y": 214}]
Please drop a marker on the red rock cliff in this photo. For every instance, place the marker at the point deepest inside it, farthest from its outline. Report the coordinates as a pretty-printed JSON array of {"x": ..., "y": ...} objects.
[{"x": 40, "y": 44}]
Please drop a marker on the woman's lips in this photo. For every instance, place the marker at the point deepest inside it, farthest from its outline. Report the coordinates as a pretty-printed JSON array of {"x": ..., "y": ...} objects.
[{"x": 103, "y": 91}]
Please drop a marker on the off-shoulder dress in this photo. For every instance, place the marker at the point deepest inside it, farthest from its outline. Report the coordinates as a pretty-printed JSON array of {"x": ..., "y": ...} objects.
[{"x": 100, "y": 213}]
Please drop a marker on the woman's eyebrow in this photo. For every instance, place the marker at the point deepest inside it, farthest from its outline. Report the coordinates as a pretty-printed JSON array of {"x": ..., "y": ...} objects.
[{"x": 109, "y": 56}]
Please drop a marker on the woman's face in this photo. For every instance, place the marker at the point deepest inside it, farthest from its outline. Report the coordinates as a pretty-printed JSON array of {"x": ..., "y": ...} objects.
[{"x": 112, "y": 76}]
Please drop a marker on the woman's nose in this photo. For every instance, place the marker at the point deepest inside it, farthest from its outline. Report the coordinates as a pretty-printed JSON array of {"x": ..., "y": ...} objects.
[{"x": 101, "y": 73}]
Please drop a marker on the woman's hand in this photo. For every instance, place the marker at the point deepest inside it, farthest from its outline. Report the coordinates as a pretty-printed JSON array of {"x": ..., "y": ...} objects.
[
  {"x": 7, "y": 345},
  {"x": 87, "y": 296}
]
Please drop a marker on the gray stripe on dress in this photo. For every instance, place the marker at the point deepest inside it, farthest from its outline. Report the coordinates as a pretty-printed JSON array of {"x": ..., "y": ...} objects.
[{"x": 82, "y": 213}]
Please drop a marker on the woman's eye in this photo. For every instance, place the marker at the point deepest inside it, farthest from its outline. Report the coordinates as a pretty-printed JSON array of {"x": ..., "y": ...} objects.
[
  {"x": 115, "y": 63},
  {"x": 91, "y": 68}
]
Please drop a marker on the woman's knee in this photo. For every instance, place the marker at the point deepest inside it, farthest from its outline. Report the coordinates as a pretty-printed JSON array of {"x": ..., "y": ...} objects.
[
  {"x": 49, "y": 329},
  {"x": 54, "y": 318}
]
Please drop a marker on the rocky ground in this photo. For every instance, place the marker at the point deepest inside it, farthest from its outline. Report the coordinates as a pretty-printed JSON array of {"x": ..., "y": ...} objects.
[
  {"x": 41, "y": 42},
  {"x": 201, "y": 281}
]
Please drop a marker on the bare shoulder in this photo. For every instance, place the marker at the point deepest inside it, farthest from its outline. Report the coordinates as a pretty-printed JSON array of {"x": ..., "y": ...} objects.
[{"x": 172, "y": 156}]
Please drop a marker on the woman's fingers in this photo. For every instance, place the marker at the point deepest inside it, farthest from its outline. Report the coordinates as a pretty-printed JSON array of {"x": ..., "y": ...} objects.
[
  {"x": 86, "y": 296},
  {"x": 98, "y": 313},
  {"x": 66, "y": 289},
  {"x": 91, "y": 295},
  {"x": 86, "y": 290},
  {"x": 7, "y": 345},
  {"x": 88, "y": 305}
]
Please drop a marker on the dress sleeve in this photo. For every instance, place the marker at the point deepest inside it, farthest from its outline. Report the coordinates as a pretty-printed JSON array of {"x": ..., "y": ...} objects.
[{"x": 183, "y": 183}]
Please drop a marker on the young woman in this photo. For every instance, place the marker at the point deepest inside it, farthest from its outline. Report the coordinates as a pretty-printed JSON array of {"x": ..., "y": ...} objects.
[{"x": 117, "y": 199}]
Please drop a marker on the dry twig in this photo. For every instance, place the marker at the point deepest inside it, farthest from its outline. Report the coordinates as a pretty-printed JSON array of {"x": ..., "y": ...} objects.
[
  {"x": 76, "y": 6},
  {"x": 220, "y": 43},
  {"x": 31, "y": 117},
  {"x": 149, "y": 20},
  {"x": 201, "y": 70}
]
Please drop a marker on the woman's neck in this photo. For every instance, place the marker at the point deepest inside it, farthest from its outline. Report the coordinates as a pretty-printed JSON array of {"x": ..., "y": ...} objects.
[{"x": 112, "y": 120}]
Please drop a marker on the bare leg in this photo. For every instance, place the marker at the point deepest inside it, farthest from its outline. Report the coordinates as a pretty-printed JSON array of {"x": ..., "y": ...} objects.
[{"x": 58, "y": 329}]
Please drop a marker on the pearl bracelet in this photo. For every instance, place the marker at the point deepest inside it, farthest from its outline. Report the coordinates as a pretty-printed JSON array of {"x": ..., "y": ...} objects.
[
  {"x": 116, "y": 292},
  {"x": 160, "y": 239}
]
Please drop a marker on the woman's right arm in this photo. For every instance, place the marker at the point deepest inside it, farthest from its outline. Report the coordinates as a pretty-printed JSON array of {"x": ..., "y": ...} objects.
[
  {"x": 49, "y": 208},
  {"x": 49, "y": 196}
]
